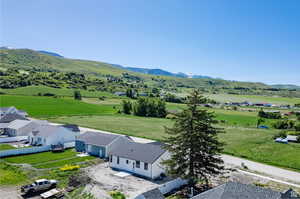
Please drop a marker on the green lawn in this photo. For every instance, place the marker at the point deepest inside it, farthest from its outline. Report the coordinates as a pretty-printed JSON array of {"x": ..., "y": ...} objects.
[
  {"x": 49, "y": 106},
  {"x": 35, "y": 90},
  {"x": 250, "y": 143},
  {"x": 5, "y": 147},
  {"x": 11, "y": 175},
  {"x": 48, "y": 159}
]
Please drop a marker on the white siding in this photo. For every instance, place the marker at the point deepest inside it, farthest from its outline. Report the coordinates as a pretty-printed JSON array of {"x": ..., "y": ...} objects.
[
  {"x": 157, "y": 167},
  {"x": 131, "y": 166}
]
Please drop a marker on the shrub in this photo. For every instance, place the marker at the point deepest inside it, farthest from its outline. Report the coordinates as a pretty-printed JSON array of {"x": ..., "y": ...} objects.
[
  {"x": 284, "y": 124},
  {"x": 49, "y": 94},
  {"x": 297, "y": 126},
  {"x": 69, "y": 167},
  {"x": 126, "y": 106},
  {"x": 77, "y": 95},
  {"x": 269, "y": 115},
  {"x": 281, "y": 134},
  {"x": 117, "y": 195}
]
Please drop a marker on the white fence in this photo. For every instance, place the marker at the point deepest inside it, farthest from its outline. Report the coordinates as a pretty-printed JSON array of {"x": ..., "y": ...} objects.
[
  {"x": 171, "y": 185},
  {"x": 69, "y": 145},
  {"x": 21, "y": 151},
  {"x": 13, "y": 139}
]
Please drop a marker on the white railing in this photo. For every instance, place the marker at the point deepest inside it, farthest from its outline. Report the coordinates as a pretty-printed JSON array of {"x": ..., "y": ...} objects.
[
  {"x": 13, "y": 139},
  {"x": 171, "y": 185},
  {"x": 21, "y": 151}
]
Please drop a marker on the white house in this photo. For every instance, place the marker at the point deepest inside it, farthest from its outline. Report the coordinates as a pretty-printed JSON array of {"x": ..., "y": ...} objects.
[
  {"x": 22, "y": 127},
  {"x": 11, "y": 110},
  {"x": 141, "y": 159},
  {"x": 51, "y": 135}
]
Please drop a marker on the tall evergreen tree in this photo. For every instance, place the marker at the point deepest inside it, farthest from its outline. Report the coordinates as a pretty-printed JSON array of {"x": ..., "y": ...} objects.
[{"x": 193, "y": 143}]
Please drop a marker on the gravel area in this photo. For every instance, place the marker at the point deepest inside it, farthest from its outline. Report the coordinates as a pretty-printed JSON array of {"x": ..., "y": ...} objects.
[{"x": 105, "y": 181}]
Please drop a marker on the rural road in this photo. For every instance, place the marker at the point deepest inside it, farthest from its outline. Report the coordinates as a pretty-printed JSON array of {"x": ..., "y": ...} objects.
[{"x": 262, "y": 170}]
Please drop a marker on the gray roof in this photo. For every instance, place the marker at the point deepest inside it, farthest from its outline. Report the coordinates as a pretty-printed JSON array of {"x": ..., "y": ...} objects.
[
  {"x": 148, "y": 153},
  {"x": 16, "y": 124},
  {"x": 235, "y": 190},
  {"x": 97, "y": 138},
  {"x": 4, "y": 109},
  {"x": 11, "y": 117},
  {"x": 153, "y": 194},
  {"x": 47, "y": 130}
]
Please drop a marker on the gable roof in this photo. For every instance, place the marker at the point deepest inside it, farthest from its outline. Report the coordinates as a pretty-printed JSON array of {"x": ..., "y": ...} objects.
[
  {"x": 153, "y": 194},
  {"x": 235, "y": 190},
  {"x": 48, "y": 130},
  {"x": 97, "y": 138},
  {"x": 148, "y": 153},
  {"x": 72, "y": 127},
  {"x": 11, "y": 117},
  {"x": 16, "y": 124}
]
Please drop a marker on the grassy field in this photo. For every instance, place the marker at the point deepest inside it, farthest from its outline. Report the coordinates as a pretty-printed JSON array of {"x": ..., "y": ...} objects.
[
  {"x": 253, "y": 98},
  {"x": 48, "y": 159},
  {"x": 5, "y": 147},
  {"x": 49, "y": 106},
  {"x": 250, "y": 143},
  {"x": 35, "y": 90},
  {"x": 11, "y": 175}
]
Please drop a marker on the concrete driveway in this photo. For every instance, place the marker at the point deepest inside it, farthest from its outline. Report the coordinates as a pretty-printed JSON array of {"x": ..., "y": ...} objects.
[{"x": 105, "y": 181}]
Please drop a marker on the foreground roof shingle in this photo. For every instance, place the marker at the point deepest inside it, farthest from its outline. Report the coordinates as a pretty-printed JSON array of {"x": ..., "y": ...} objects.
[
  {"x": 148, "y": 153},
  {"x": 97, "y": 138},
  {"x": 235, "y": 190}
]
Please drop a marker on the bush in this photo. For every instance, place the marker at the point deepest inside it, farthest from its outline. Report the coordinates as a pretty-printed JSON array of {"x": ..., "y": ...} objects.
[
  {"x": 149, "y": 107},
  {"x": 126, "y": 107},
  {"x": 77, "y": 95},
  {"x": 117, "y": 195},
  {"x": 297, "y": 126},
  {"x": 69, "y": 167},
  {"x": 284, "y": 124},
  {"x": 49, "y": 94},
  {"x": 269, "y": 115},
  {"x": 281, "y": 134},
  {"x": 102, "y": 98},
  {"x": 170, "y": 116}
]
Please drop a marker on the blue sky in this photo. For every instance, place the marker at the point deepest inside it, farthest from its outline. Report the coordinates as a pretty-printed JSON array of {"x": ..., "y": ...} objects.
[{"x": 247, "y": 40}]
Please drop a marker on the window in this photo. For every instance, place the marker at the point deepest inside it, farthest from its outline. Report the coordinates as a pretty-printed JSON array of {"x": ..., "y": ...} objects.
[
  {"x": 137, "y": 164},
  {"x": 118, "y": 160},
  {"x": 110, "y": 158},
  {"x": 127, "y": 161},
  {"x": 146, "y": 166}
]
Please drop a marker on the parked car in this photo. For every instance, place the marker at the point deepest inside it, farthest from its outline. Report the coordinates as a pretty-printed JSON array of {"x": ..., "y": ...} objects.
[
  {"x": 38, "y": 185},
  {"x": 263, "y": 127},
  {"x": 282, "y": 140}
]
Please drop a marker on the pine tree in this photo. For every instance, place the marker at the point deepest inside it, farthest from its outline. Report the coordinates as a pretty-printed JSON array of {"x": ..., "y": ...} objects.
[{"x": 193, "y": 143}]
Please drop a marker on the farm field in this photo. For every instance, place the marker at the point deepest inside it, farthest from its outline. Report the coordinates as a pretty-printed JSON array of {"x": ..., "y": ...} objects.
[
  {"x": 35, "y": 90},
  {"x": 49, "y": 106},
  {"x": 48, "y": 159},
  {"x": 250, "y": 143}
]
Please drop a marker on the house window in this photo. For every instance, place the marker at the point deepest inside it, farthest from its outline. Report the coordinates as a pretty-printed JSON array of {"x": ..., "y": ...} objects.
[
  {"x": 127, "y": 161},
  {"x": 146, "y": 166},
  {"x": 110, "y": 158},
  {"x": 118, "y": 160},
  {"x": 137, "y": 164}
]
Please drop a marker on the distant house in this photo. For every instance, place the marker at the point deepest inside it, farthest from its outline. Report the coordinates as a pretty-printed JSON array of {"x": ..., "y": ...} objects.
[
  {"x": 9, "y": 117},
  {"x": 11, "y": 110},
  {"x": 99, "y": 144},
  {"x": 120, "y": 93},
  {"x": 235, "y": 190},
  {"x": 140, "y": 159},
  {"x": 291, "y": 138},
  {"x": 22, "y": 127},
  {"x": 51, "y": 135}
]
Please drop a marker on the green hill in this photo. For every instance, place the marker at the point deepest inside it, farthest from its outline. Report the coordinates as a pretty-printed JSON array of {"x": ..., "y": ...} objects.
[{"x": 33, "y": 61}]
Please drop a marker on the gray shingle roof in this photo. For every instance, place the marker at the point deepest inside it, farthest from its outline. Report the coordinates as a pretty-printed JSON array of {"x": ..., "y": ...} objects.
[
  {"x": 47, "y": 130},
  {"x": 11, "y": 117},
  {"x": 16, "y": 124},
  {"x": 148, "y": 153},
  {"x": 153, "y": 194},
  {"x": 97, "y": 138},
  {"x": 235, "y": 190}
]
